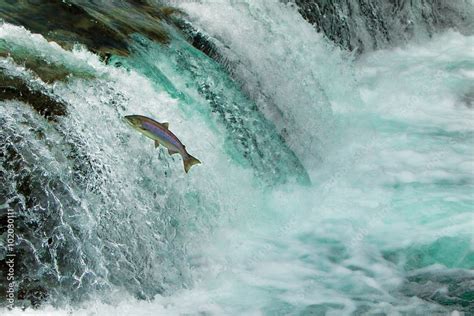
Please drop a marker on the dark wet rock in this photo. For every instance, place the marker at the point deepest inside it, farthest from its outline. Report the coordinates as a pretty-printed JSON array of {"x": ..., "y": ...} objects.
[
  {"x": 47, "y": 258},
  {"x": 366, "y": 25},
  {"x": 65, "y": 252},
  {"x": 28, "y": 203},
  {"x": 14, "y": 88},
  {"x": 33, "y": 295},
  {"x": 64, "y": 23},
  {"x": 48, "y": 71},
  {"x": 104, "y": 27},
  {"x": 45, "y": 61},
  {"x": 450, "y": 285},
  {"x": 451, "y": 288}
]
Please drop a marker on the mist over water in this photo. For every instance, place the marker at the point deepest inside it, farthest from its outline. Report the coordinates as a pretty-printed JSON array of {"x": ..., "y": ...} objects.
[{"x": 332, "y": 183}]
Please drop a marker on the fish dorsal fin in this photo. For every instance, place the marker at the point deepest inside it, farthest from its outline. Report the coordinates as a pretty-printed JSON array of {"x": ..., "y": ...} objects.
[
  {"x": 157, "y": 144},
  {"x": 172, "y": 152},
  {"x": 165, "y": 124}
]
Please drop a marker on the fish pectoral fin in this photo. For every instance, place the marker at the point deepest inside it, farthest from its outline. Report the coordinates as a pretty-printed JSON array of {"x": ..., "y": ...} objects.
[
  {"x": 165, "y": 124},
  {"x": 172, "y": 152},
  {"x": 157, "y": 144}
]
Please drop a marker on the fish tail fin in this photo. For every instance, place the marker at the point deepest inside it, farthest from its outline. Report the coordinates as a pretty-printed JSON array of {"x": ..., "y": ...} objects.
[{"x": 190, "y": 161}]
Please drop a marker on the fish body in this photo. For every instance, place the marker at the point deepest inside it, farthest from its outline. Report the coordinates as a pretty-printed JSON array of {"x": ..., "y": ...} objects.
[{"x": 160, "y": 133}]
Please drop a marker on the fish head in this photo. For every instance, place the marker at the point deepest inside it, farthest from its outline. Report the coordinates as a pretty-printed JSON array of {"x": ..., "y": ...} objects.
[{"x": 134, "y": 121}]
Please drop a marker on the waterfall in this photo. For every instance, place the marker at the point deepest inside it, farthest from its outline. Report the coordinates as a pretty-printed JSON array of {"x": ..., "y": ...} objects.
[{"x": 336, "y": 143}]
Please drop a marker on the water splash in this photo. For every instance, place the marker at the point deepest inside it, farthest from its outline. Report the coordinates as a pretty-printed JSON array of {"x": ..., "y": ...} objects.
[{"x": 387, "y": 211}]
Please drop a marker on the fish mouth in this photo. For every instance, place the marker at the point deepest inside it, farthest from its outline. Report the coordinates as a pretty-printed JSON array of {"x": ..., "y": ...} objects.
[{"x": 127, "y": 119}]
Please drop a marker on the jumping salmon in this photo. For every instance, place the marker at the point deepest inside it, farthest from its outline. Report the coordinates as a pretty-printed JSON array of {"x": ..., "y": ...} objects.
[{"x": 160, "y": 133}]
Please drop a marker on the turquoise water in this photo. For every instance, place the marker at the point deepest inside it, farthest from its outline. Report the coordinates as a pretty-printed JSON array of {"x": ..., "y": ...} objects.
[{"x": 352, "y": 192}]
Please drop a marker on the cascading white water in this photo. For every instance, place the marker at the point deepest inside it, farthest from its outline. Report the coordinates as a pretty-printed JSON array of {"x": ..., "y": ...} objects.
[
  {"x": 276, "y": 57},
  {"x": 126, "y": 213},
  {"x": 387, "y": 141}
]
